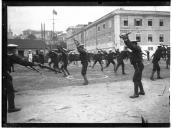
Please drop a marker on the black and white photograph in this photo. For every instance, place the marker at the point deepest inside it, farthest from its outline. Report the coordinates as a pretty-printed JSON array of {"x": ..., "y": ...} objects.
[{"x": 87, "y": 64}]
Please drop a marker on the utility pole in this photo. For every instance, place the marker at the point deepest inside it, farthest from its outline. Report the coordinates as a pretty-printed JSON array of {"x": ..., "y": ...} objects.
[
  {"x": 43, "y": 34},
  {"x": 53, "y": 28},
  {"x": 44, "y": 38},
  {"x": 54, "y": 13},
  {"x": 96, "y": 37}
]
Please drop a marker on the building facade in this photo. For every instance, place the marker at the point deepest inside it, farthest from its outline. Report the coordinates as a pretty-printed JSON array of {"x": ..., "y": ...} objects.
[
  {"x": 150, "y": 28},
  {"x": 24, "y": 45}
]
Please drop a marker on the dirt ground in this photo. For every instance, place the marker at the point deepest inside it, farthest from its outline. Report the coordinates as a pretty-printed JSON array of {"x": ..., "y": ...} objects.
[{"x": 51, "y": 98}]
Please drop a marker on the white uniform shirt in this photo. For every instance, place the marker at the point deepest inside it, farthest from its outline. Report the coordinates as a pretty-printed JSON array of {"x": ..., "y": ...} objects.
[{"x": 30, "y": 57}]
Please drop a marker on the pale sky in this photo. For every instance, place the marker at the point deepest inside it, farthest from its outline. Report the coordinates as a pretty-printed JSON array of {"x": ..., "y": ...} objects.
[{"x": 30, "y": 17}]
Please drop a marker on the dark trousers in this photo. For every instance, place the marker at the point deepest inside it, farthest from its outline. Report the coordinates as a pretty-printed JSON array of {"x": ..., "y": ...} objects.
[
  {"x": 64, "y": 68},
  {"x": 167, "y": 62},
  {"x": 156, "y": 67},
  {"x": 84, "y": 68},
  {"x": 110, "y": 61},
  {"x": 120, "y": 63},
  {"x": 138, "y": 67},
  {"x": 10, "y": 92},
  {"x": 100, "y": 62}
]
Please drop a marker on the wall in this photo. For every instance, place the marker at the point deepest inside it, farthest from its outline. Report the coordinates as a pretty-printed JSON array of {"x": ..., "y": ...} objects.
[
  {"x": 109, "y": 37},
  {"x": 102, "y": 38},
  {"x": 144, "y": 30}
]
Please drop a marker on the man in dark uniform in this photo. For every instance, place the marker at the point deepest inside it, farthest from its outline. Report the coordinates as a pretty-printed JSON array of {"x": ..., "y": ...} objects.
[
  {"x": 7, "y": 78},
  {"x": 168, "y": 57},
  {"x": 148, "y": 54},
  {"x": 110, "y": 58},
  {"x": 98, "y": 58},
  {"x": 84, "y": 60},
  {"x": 121, "y": 56},
  {"x": 164, "y": 52},
  {"x": 8, "y": 88},
  {"x": 136, "y": 61},
  {"x": 156, "y": 58},
  {"x": 41, "y": 57},
  {"x": 64, "y": 59}
]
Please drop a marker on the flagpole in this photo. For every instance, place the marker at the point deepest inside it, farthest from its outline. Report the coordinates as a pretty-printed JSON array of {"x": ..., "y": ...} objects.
[
  {"x": 53, "y": 26},
  {"x": 44, "y": 38},
  {"x": 41, "y": 32}
]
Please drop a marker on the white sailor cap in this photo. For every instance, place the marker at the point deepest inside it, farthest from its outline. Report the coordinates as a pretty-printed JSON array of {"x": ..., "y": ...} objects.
[{"x": 12, "y": 45}]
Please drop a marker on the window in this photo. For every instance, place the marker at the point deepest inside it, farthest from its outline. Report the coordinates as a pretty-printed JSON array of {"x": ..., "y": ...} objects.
[
  {"x": 98, "y": 28},
  {"x": 161, "y": 38},
  {"x": 138, "y": 38},
  {"x": 161, "y": 23},
  {"x": 138, "y": 22},
  {"x": 110, "y": 23},
  {"x": 125, "y": 22},
  {"x": 149, "y": 37},
  {"x": 150, "y": 22},
  {"x": 104, "y": 26}
]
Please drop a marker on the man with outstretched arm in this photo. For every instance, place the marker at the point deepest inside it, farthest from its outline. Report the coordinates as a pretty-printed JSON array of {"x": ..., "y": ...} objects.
[
  {"x": 84, "y": 60},
  {"x": 136, "y": 61}
]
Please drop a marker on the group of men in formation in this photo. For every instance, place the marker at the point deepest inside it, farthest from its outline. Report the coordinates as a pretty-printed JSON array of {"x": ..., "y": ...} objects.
[{"x": 64, "y": 58}]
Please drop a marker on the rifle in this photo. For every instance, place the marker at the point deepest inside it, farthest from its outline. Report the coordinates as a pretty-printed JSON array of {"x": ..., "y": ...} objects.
[
  {"x": 125, "y": 35},
  {"x": 32, "y": 68},
  {"x": 46, "y": 67},
  {"x": 76, "y": 42}
]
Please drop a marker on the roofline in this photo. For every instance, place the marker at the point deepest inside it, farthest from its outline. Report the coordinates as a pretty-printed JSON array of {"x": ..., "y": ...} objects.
[
  {"x": 122, "y": 11},
  {"x": 118, "y": 12}
]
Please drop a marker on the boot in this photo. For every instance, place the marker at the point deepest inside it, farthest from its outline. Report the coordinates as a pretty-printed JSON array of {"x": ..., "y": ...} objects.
[
  {"x": 152, "y": 75},
  {"x": 142, "y": 92},
  {"x": 85, "y": 80},
  {"x": 158, "y": 75},
  {"x": 135, "y": 90},
  {"x": 13, "y": 110}
]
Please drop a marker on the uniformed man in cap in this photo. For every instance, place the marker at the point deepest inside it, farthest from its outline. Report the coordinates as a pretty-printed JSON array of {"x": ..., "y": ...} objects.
[
  {"x": 64, "y": 59},
  {"x": 8, "y": 89},
  {"x": 148, "y": 54},
  {"x": 110, "y": 59},
  {"x": 41, "y": 57},
  {"x": 7, "y": 78},
  {"x": 136, "y": 61},
  {"x": 168, "y": 57},
  {"x": 98, "y": 58},
  {"x": 84, "y": 60},
  {"x": 156, "y": 58},
  {"x": 120, "y": 59},
  {"x": 30, "y": 56}
]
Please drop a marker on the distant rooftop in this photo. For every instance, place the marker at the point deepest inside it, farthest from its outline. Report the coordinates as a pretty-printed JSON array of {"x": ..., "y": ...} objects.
[{"x": 27, "y": 44}]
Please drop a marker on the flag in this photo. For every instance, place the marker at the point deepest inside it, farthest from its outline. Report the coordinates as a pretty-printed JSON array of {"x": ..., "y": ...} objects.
[{"x": 54, "y": 12}]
